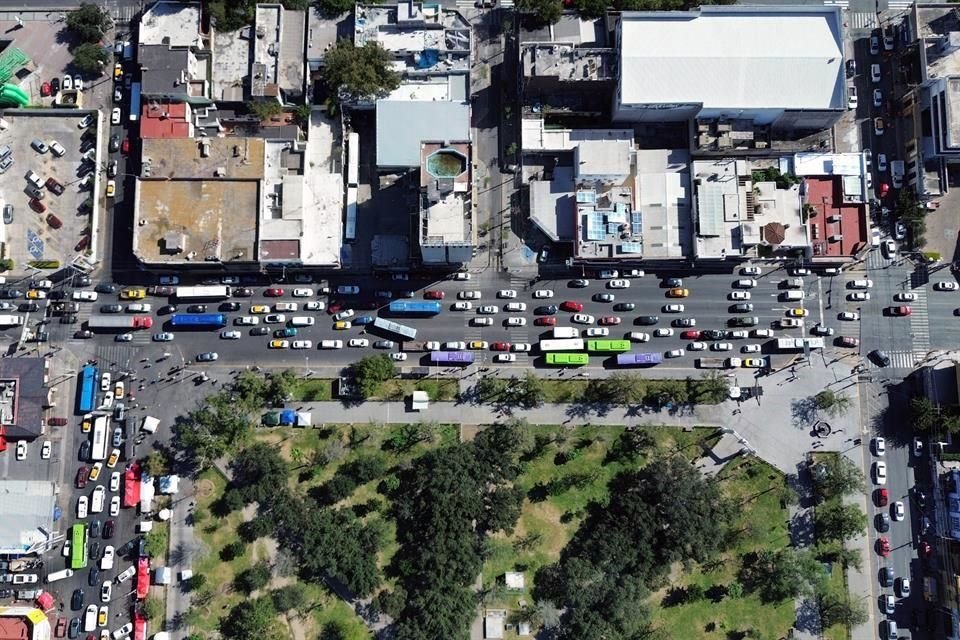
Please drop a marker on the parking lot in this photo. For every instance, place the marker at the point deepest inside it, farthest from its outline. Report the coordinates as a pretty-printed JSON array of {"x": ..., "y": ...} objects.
[{"x": 33, "y": 234}]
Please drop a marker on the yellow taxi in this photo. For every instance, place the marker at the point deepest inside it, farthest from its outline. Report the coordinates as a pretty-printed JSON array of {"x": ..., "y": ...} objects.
[
  {"x": 135, "y": 293},
  {"x": 111, "y": 188},
  {"x": 678, "y": 293},
  {"x": 797, "y": 313},
  {"x": 342, "y": 324},
  {"x": 118, "y": 390},
  {"x": 259, "y": 308},
  {"x": 95, "y": 471},
  {"x": 87, "y": 423},
  {"x": 117, "y": 71},
  {"x": 34, "y": 294},
  {"x": 114, "y": 458},
  {"x": 102, "y": 617},
  {"x": 279, "y": 344},
  {"x": 478, "y": 344}
]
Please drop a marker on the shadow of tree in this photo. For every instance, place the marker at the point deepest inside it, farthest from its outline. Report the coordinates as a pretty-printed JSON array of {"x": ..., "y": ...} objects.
[
  {"x": 804, "y": 412},
  {"x": 808, "y": 617}
]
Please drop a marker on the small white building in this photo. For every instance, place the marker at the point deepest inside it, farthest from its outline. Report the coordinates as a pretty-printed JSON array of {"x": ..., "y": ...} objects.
[{"x": 514, "y": 580}]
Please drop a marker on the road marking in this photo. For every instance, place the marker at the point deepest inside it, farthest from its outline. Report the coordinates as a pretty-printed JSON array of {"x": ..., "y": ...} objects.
[{"x": 820, "y": 296}]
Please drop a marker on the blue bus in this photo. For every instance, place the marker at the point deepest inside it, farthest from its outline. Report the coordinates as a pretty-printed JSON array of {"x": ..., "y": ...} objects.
[
  {"x": 414, "y": 307},
  {"x": 198, "y": 320},
  {"x": 451, "y": 357},
  {"x": 88, "y": 388}
]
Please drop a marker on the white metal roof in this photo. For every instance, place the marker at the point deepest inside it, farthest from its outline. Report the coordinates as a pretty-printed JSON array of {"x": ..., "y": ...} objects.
[{"x": 730, "y": 57}]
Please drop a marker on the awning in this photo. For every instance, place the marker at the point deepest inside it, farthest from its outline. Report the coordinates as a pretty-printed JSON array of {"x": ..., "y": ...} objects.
[
  {"x": 45, "y": 601},
  {"x": 147, "y": 491},
  {"x": 3, "y": 438},
  {"x": 131, "y": 485},
  {"x": 143, "y": 578},
  {"x": 139, "y": 627}
]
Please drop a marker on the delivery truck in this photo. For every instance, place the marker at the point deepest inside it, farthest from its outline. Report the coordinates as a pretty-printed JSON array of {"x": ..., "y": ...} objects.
[
  {"x": 118, "y": 322},
  {"x": 718, "y": 363}
]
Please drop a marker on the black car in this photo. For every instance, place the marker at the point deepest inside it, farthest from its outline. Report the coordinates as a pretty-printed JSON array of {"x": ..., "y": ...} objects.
[
  {"x": 95, "y": 527},
  {"x": 57, "y": 294},
  {"x": 28, "y": 307},
  {"x": 880, "y": 358},
  {"x": 6, "y": 594},
  {"x": 108, "y": 529},
  {"x": 886, "y": 576},
  {"x": 259, "y": 331},
  {"x": 74, "y": 628},
  {"x": 142, "y": 547},
  {"x": 111, "y": 308},
  {"x": 54, "y": 85},
  {"x": 197, "y": 308},
  {"x": 673, "y": 283},
  {"x": 68, "y": 318},
  {"x": 230, "y": 306},
  {"x": 713, "y": 334},
  {"x": 93, "y": 577},
  {"x": 11, "y": 294},
  {"x": 648, "y": 320},
  {"x": 547, "y": 310},
  {"x": 242, "y": 292},
  {"x": 106, "y": 287},
  {"x": 624, "y": 306},
  {"x": 95, "y": 551},
  {"x": 167, "y": 309},
  {"x": 921, "y": 498},
  {"x": 126, "y": 548},
  {"x": 85, "y": 450},
  {"x": 114, "y": 143},
  {"x": 579, "y": 283},
  {"x": 384, "y": 344},
  {"x": 744, "y": 321},
  {"x": 883, "y": 522},
  {"x": 741, "y": 307},
  {"x": 76, "y": 600},
  {"x": 83, "y": 334}
]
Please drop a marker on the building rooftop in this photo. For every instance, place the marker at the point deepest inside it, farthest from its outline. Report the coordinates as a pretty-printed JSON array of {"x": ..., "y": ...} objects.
[
  {"x": 570, "y": 29},
  {"x": 537, "y": 136},
  {"x": 598, "y": 159},
  {"x": 278, "y": 51},
  {"x": 553, "y": 205},
  {"x": 322, "y": 33},
  {"x": 23, "y": 396},
  {"x": 837, "y": 228},
  {"x": 172, "y": 72},
  {"x": 663, "y": 201},
  {"x": 567, "y": 62},
  {"x": 725, "y": 57},
  {"x": 231, "y": 68},
  {"x": 27, "y": 508},
  {"x": 171, "y": 24},
  {"x": 167, "y": 120},
  {"x": 403, "y": 124}
]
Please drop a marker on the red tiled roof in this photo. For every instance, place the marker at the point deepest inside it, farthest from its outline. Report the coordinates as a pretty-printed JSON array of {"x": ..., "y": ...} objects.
[
  {"x": 164, "y": 121},
  {"x": 824, "y": 195}
]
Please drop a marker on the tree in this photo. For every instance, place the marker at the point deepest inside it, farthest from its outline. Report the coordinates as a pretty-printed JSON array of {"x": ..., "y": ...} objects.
[
  {"x": 359, "y": 73},
  {"x": 90, "y": 58},
  {"x": 280, "y": 387},
  {"x": 197, "y": 581},
  {"x": 214, "y": 429},
  {"x": 832, "y": 403},
  {"x": 256, "y": 577},
  {"x": 333, "y": 630},
  {"x": 631, "y": 445},
  {"x": 490, "y": 388},
  {"x": 250, "y": 389},
  {"x": 711, "y": 389},
  {"x": 838, "y": 608},
  {"x": 779, "y": 575},
  {"x": 334, "y": 8},
  {"x": 836, "y": 476},
  {"x": 233, "y": 550},
  {"x": 364, "y": 468},
  {"x": 838, "y": 521},
  {"x": 249, "y": 620},
  {"x": 371, "y": 372},
  {"x": 156, "y": 542},
  {"x": 265, "y": 109},
  {"x": 89, "y": 22},
  {"x": 154, "y": 608},
  {"x": 925, "y": 415},
  {"x": 258, "y": 473},
  {"x": 291, "y": 597},
  {"x": 543, "y": 11},
  {"x": 155, "y": 464}
]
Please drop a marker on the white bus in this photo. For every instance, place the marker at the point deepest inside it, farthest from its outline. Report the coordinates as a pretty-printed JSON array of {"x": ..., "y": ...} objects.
[
  {"x": 565, "y": 332},
  {"x": 214, "y": 292},
  {"x": 568, "y": 344},
  {"x": 99, "y": 449}
]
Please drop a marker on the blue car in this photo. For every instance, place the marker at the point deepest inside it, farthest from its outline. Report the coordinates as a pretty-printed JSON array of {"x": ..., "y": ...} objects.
[
  {"x": 363, "y": 320},
  {"x": 289, "y": 332}
]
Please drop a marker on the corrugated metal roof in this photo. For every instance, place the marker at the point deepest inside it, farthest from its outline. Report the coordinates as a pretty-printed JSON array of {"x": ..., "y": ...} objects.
[
  {"x": 403, "y": 124},
  {"x": 726, "y": 57}
]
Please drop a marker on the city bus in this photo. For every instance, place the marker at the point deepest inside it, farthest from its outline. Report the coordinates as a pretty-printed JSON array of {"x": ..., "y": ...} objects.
[
  {"x": 401, "y": 330},
  {"x": 212, "y": 292},
  {"x": 568, "y": 359},
  {"x": 451, "y": 357},
  {"x": 565, "y": 344},
  {"x": 99, "y": 437},
  {"x": 608, "y": 346},
  {"x": 88, "y": 388},
  {"x": 639, "y": 359},
  {"x": 198, "y": 320},
  {"x": 78, "y": 546},
  {"x": 414, "y": 307}
]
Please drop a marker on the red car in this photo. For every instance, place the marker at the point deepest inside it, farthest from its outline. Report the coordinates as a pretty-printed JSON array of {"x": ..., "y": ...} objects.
[
  {"x": 57, "y": 422},
  {"x": 609, "y": 320},
  {"x": 82, "y": 474},
  {"x": 45, "y": 89},
  {"x": 433, "y": 295},
  {"x": 882, "y": 497},
  {"x": 500, "y": 346},
  {"x": 569, "y": 305},
  {"x": 690, "y": 335},
  {"x": 273, "y": 292},
  {"x": 883, "y": 546},
  {"x": 848, "y": 341},
  {"x": 125, "y": 146},
  {"x": 902, "y": 310},
  {"x": 37, "y": 206},
  {"x": 884, "y": 189},
  {"x": 925, "y": 549},
  {"x": 334, "y": 308},
  {"x": 548, "y": 321},
  {"x": 61, "y": 622},
  {"x": 54, "y": 221}
]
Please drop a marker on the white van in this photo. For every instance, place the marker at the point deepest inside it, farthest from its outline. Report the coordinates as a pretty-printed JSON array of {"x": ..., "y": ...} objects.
[
  {"x": 59, "y": 575},
  {"x": 793, "y": 295},
  {"x": 861, "y": 284},
  {"x": 331, "y": 344},
  {"x": 126, "y": 575},
  {"x": 565, "y": 332},
  {"x": 301, "y": 321}
]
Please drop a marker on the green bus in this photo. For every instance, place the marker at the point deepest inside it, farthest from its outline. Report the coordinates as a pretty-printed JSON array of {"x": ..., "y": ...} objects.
[
  {"x": 608, "y": 346},
  {"x": 571, "y": 359},
  {"x": 78, "y": 546}
]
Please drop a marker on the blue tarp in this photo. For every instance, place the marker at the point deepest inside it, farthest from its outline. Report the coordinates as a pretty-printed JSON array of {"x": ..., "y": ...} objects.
[
  {"x": 428, "y": 58},
  {"x": 288, "y": 417}
]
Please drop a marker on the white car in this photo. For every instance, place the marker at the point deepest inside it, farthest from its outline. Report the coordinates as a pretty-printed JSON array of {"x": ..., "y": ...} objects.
[
  {"x": 106, "y": 590},
  {"x": 662, "y": 332},
  {"x": 230, "y": 335},
  {"x": 115, "y": 116},
  {"x": 515, "y": 306},
  {"x": 516, "y": 322},
  {"x": 673, "y": 308},
  {"x": 597, "y": 332},
  {"x": 674, "y": 353},
  {"x": 285, "y": 306},
  {"x": 21, "y": 449},
  {"x": 750, "y": 348},
  {"x": 57, "y": 149},
  {"x": 247, "y": 320},
  {"x": 99, "y": 497},
  {"x": 301, "y": 344},
  {"x": 45, "y": 450},
  {"x": 83, "y": 504},
  {"x": 881, "y": 161},
  {"x": 453, "y": 345},
  {"x": 638, "y": 336},
  {"x": 115, "y": 481},
  {"x": 858, "y": 296},
  {"x": 481, "y": 322},
  {"x": 745, "y": 283},
  {"x": 879, "y": 446},
  {"x": 762, "y": 333},
  {"x": 469, "y": 295},
  {"x": 314, "y": 305},
  {"x": 739, "y": 295},
  {"x": 860, "y": 284},
  {"x": 105, "y": 381},
  {"x": 721, "y": 346},
  {"x": 461, "y": 275},
  {"x": 399, "y": 357},
  {"x": 618, "y": 284},
  {"x": 899, "y": 513},
  {"x": 343, "y": 315},
  {"x": 697, "y": 346},
  {"x": 85, "y": 296},
  {"x": 488, "y": 308},
  {"x": 945, "y": 286},
  {"x": 582, "y": 318},
  {"x": 507, "y": 293},
  {"x": 462, "y": 306},
  {"x": 164, "y": 336},
  {"x": 633, "y": 273},
  {"x": 750, "y": 271},
  {"x": 115, "y": 505},
  {"x": 126, "y": 629},
  {"x": 791, "y": 323},
  {"x": 139, "y": 307},
  {"x": 607, "y": 274},
  {"x": 303, "y": 293},
  {"x": 739, "y": 334},
  {"x": 358, "y": 342},
  {"x": 521, "y": 347},
  {"x": 880, "y": 472},
  {"x": 905, "y": 297},
  {"x": 850, "y": 316},
  {"x": 543, "y": 293},
  {"x": 90, "y": 618},
  {"x": 106, "y": 562},
  {"x": 505, "y": 357}
]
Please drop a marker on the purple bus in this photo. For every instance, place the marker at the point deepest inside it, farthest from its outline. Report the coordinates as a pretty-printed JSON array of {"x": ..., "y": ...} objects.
[
  {"x": 642, "y": 359},
  {"x": 451, "y": 357}
]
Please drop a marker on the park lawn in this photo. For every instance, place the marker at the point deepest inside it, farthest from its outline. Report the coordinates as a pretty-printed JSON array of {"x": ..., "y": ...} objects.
[
  {"x": 313, "y": 390},
  {"x": 838, "y": 584},
  {"x": 762, "y": 522},
  {"x": 439, "y": 389}
]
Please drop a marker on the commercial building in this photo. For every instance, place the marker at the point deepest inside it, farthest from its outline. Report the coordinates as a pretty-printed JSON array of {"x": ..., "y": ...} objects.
[
  {"x": 24, "y": 623},
  {"x": 173, "y": 55},
  {"x": 780, "y": 68},
  {"x": 27, "y": 525},
  {"x": 24, "y": 396},
  {"x": 447, "y": 233}
]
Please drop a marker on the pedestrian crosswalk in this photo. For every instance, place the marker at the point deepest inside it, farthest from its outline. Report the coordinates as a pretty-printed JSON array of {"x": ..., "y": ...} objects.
[
  {"x": 876, "y": 260},
  {"x": 902, "y": 359},
  {"x": 920, "y": 324}
]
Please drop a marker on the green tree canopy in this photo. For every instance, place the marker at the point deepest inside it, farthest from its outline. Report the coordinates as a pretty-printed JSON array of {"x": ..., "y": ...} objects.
[
  {"x": 542, "y": 11},
  {"x": 359, "y": 73},
  {"x": 783, "y": 574},
  {"x": 835, "y": 476},
  {"x": 335, "y": 8},
  {"x": 256, "y": 577},
  {"x": 88, "y": 22},
  {"x": 372, "y": 371},
  {"x": 214, "y": 429},
  {"x": 90, "y": 58},
  {"x": 249, "y": 620},
  {"x": 838, "y": 521},
  {"x": 831, "y": 402},
  {"x": 258, "y": 472},
  {"x": 838, "y": 608}
]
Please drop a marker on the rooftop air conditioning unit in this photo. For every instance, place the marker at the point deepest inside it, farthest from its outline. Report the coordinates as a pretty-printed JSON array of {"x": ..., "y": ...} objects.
[{"x": 835, "y": 238}]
